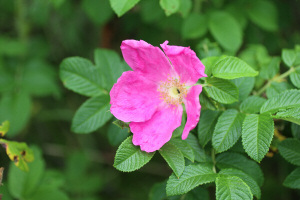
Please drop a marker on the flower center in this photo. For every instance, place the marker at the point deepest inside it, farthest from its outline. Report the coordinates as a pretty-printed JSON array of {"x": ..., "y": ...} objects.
[{"x": 172, "y": 92}]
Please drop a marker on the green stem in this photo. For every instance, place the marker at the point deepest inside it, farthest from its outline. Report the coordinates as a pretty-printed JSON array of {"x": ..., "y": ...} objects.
[
  {"x": 282, "y": 76},
  {"x": 213, "y": 157}
]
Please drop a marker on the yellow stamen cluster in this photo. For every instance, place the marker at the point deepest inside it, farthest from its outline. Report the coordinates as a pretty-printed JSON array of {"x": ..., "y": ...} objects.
[{"x": 172, "y": 91}]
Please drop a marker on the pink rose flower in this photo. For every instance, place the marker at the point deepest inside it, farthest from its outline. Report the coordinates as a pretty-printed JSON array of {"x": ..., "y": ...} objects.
[{"x": 150, "y": 97}]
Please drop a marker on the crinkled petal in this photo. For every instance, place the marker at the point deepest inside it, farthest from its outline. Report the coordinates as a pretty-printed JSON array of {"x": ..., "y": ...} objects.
[
  {"x": 146, "y": 59},
  {"x": 154, "y": 133},
  {"x": 134, "y": 98},
  {"x": 185, "y": 62},
  {"x": 193, "y": 107}
]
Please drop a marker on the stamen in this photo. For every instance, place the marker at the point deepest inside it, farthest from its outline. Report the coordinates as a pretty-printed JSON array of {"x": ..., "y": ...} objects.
[{"x": 172, "y": 91}]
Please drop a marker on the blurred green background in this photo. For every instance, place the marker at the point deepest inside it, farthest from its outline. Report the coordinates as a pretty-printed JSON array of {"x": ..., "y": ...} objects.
[{"x": 36, "y": 35}]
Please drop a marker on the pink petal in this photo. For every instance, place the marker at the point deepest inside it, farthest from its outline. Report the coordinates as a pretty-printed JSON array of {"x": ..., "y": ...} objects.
[
  {"x": 193, "y": 107},
  {"x": 154, "y": 133},
  {"x": 185, "y": 62},
  {"x": 146, "y": 59},
  {"x": 134, "y": 98}
]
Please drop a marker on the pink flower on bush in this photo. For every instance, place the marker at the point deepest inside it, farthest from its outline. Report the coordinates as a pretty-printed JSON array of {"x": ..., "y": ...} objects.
[{"x": 151, "y": 96}]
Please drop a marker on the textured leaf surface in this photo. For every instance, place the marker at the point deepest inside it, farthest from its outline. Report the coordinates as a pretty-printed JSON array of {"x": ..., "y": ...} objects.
[
  {"x": 288, "y": 56},
  {"x": 206, "y": 126},
  {"x": 231, "y": 67},
  {"x": 200, "y": 155},
  {"x": 221, "y": 90},
  {"x": 257, "y": 134},
  {"x": 209, "y": 63},
  {"x": 232, "y": 188},
  {"x": 245, "y": 86},
  {"x": 226, "y": 30},
  {"x": 192, "y": 176},
  {"x": 293, "y": 179},
  {"x": 287, "y": 99},
  {"x": 91, "y": 115},
  {"x": 228, "y": 130},
  {"x": 81, "y": 76},
  {"x": 289, "y": 149},
  {"x": 122, "y": 6},
  {"x": 130, "y": 158},
  {"x": 238, "y": 161},
  {"x": 246, "y": 178},
  {"x": 252, "y": 104},
  {"x": 185, "y": 148},
  {"x": 292, "y": 115},
  {"x": 276, "y": 88},
  {"x": 174, "y": 158},
  {"x": 295, "y": 77}
]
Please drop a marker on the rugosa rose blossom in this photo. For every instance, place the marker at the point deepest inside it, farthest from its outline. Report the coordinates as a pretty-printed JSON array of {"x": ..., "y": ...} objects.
[{"x": 150, "y": 97}]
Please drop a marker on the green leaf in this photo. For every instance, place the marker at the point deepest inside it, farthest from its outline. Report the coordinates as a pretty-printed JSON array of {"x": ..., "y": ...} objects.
[
  {"x": 122, "y": 6},
  {"x": 81, "y": 76},
  {"x": 185, "y": 148},
  {"x": 206, "y": 102},
  {"x": 192, "y": 176},
  {"x": 228, "y": 130},
  {"x": 276, "y": 88},
  {"x": 252, "y": 104},
  {"x": 238, "y": 161},
  {"x": 289, "y": 149},
  {"x": 226, "y": 30},
  {"x": 4, "y": 127},
  {"x": 200, "y": 155},
  {"x": 288, "y": 56},
  {"x": 15, "y": 108},
  {"x": 110, "y": 65},
  {"x": 258, "y": 131},
  {"x": 295, "y": 130},
  {"x": 11, "y": 47},
  {"x": 246, "y": 178},
  {"x": 48, "y": 193},
  {"x": 185, "y": 7},
  {"x": 287, "y": 99},
  {"x": 194, "y": 26},
  {"x": 199, "y": 193},
  {"x": 130, "y": 158},
  {"x": 263, "y": 14},
  {"x": 22, "y": 184},
  {"x": 170, "y": 6},
  {"x": 221, "y": 90},
  {"x": 293, "y": 179},
  {"x": 209, "y": 63},
  {"x": 151, "y": 11},
  {"x": 232, "y": 67},
  {"x": 206, "y": 126},
  {"x": 19, "y": 153},
  {"x": 91, "y": 115},
  {"x": 295, "y": 77},
  {"x": 292, "y": 115},
  {"x": 173, "y": 157},
  {"x": 270, "y": 69},
  {"x": 98, "y": 11},
  {"x": 244, "y": 85},
  {"x": 232, "y": 187},
  {"x": 116, "y": 135}
]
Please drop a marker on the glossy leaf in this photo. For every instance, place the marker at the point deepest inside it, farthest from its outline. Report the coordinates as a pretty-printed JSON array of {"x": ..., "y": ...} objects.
[
  {"x": 173, "y": 157},
  {"x": 130, "y": 158},
  {"x": 228, "y": 130},
  {"x": 232, "y": 67},
  {"x": 257, "y": 134},
  {"x": 221, "y": 90},
  {"x": 192, "y": 176},
  {"x": 289, "y": 149},
  {"x": 91, "y": 115},
  {"x": 292, "y": 115},
  {"x": 287, "y": 99}
]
